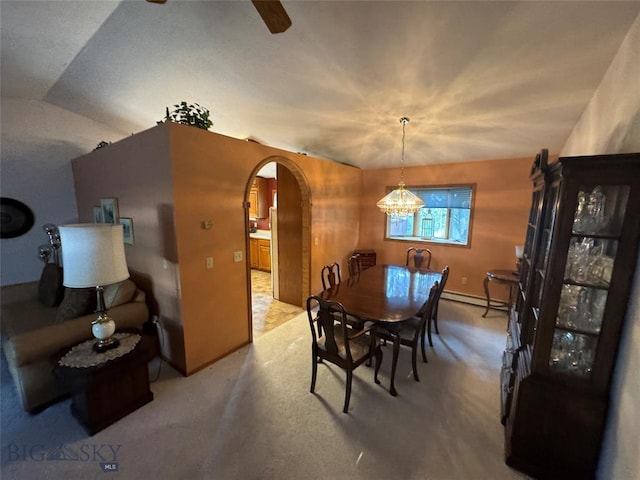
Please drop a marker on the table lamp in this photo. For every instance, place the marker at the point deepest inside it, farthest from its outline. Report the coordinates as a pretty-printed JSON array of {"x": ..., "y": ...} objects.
[{"x": 93, "y": 256}]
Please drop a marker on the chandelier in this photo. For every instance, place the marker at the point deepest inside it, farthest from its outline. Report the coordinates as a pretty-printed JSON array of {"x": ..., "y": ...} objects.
[{"x": 400, "y": 202}]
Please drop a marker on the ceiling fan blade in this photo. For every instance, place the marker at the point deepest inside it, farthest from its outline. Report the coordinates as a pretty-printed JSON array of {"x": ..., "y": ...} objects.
[{"x": 273, "y": 14}]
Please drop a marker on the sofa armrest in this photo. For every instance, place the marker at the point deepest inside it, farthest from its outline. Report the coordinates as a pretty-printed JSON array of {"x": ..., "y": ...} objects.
[
  {"x": 29, "y": 347},
  {"x": 21, "y": 292}
]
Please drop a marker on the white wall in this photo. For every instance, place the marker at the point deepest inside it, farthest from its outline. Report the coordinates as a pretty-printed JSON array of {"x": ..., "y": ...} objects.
[
  {"x": 611, "y": 124},
  {"x": 36, "y": 169}
]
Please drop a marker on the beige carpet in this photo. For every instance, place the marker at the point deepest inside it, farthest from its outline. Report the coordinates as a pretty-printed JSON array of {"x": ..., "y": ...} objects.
[{"x": 251, "y": 416}]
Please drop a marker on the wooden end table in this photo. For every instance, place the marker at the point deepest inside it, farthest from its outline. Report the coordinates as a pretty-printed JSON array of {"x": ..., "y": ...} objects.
[
  {"x": 104, "y": 393},
  {"x": 500, "y": 276}
]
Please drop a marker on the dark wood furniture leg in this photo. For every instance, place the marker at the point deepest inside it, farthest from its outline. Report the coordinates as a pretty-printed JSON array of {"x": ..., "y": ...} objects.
[
  {"x": 394, "y": 364},
  {"x": 485, "y": 284}
]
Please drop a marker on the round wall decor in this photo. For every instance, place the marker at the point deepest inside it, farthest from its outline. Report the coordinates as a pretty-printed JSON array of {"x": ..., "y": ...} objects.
[{"x": 15, "y": 218}]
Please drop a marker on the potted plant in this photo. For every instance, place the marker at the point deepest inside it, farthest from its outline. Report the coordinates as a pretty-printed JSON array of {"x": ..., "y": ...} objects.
[{"x": 189, "y": 114}]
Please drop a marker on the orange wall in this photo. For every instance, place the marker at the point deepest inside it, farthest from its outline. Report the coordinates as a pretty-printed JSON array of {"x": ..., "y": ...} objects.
[
  {"x": 210, "y": 174},
  {"x": 335, "y": 214},
  {"x": 502, "y": 202},
  {"x": 172, "y": 177},
  {"x": 137, "y": 171}
]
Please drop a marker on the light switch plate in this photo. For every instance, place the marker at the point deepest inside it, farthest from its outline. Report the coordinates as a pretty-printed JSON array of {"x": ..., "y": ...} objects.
[{"x": 209, "y": 263}]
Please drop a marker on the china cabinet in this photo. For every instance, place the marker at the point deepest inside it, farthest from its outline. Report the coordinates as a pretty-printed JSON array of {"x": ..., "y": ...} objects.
[{"x": 579, "y": 258}]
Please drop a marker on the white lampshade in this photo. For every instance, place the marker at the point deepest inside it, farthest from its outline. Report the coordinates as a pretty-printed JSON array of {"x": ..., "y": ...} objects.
[{"x": 92, "y": 255}]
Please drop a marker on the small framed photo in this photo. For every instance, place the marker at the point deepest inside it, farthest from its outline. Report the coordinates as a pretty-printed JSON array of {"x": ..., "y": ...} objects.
[
  {"x": 98, "y": 217},
  {"x": 127, "y": 230},
  {"x": 109, "y": 210}
]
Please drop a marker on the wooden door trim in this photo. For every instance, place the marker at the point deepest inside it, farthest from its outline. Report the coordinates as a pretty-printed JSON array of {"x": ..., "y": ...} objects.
[{"x": 305, "y": 197}]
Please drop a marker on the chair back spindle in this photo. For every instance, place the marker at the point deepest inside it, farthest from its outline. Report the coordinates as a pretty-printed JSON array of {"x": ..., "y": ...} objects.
[
  {"x": 330, "y": 275},
  {"x": 355, "y": 265},
  {"x": 421, "y": 257}
]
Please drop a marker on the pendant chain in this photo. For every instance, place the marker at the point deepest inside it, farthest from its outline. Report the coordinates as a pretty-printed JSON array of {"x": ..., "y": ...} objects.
[{"x": 403, "y": 121}]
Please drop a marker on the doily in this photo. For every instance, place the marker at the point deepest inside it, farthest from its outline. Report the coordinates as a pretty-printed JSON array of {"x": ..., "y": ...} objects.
[{"x": 83, "y": 355}]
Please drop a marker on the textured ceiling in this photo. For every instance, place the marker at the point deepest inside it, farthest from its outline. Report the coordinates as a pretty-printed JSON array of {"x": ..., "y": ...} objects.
[{"x": 479, "y": 80}]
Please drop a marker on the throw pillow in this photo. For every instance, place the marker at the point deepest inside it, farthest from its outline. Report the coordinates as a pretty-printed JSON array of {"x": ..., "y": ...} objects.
[
  {"x": 76, "y": 303},
  {"x": 50, "y": 289},
  {"x": 119, "y": 293}
]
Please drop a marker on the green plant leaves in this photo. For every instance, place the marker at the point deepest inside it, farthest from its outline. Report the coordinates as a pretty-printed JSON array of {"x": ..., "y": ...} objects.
[{"x": 189, "y": 114}]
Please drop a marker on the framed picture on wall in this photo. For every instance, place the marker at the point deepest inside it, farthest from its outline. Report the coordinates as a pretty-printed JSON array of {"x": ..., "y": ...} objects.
[
  {"x": 98, "y": 217},
  {"x": 127, "y": 230},
  {"x": 109, "y": 210}
]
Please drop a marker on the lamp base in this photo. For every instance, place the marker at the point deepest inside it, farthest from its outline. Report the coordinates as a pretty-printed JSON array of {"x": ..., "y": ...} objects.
[
  {"x": 103, "y": 328},
  {"x": 102, "y": 346}
]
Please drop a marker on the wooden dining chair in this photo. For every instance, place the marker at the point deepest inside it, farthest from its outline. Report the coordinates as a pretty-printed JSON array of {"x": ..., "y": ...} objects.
[
  {"x": 330, "y": 275},
  {"x": 411, "y": 330},
  {"x": 419, "y": 256},
  {"x": 434, "y": 316},
  {"x": 355, "y": 265},
  {"x": 330, "y": 278},
  {"x": 335, "y": 341}
]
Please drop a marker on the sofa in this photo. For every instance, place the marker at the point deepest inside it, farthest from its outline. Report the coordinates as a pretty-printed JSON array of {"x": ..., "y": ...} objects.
[{"x": 34, "y": 332}]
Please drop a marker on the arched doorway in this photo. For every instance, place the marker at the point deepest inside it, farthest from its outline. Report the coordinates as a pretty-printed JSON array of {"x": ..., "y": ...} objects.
[{"x": 291, "y": 241}]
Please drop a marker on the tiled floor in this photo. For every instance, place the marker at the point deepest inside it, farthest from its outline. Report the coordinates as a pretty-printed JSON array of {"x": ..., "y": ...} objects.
[{"x": 268, "y": 313}]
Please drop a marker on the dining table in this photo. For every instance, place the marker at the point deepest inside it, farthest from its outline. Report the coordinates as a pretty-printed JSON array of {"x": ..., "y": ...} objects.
[{"x": 387, "y": 295}]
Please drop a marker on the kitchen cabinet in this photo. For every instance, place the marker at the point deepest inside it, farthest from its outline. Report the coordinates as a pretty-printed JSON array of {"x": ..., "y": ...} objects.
[
  {"x": 264, "y": 255},
  {"x": 260, "y": 254},
  {"x": 258, "y": 198},
  {"x": 253, "y": 252},
  {"x": 580, "y": 254}
]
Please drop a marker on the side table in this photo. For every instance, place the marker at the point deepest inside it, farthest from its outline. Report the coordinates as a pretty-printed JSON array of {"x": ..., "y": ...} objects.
[
  {"x": 105, "y": 392},
  {"x": 500, "y": 276},
  {"x": 367, "y": 257}
]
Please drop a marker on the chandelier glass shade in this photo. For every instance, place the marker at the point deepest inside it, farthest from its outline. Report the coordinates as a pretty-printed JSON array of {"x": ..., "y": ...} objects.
[{"x": 400, "y": 202}]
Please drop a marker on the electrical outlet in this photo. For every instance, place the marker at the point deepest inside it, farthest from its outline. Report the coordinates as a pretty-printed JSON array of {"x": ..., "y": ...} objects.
[
  {"x": 237, "y": 256},
  {"x": 209, "y": 263},
  {"x": 464, "y": 280}
]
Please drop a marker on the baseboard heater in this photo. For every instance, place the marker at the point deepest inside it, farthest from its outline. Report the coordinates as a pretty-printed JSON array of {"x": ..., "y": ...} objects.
[{"x": 469, "y": 299}]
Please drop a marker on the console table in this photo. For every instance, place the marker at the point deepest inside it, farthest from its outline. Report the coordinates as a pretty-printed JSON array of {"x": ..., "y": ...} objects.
[
  {"x": 500, "y": 276},
  {"x": 367, "y": 257},
  {"x": 107, "y": 386}
]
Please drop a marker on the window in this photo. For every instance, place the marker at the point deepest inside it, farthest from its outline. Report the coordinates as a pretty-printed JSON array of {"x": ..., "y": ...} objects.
[{"x": 445, "y": 218}]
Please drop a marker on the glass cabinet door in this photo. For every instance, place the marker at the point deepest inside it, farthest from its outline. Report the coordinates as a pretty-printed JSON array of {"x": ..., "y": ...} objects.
[
  {"x": 524, "y": 310},
  {"x": 542, "y": 256},
  {"x": 591, "y": 254}
]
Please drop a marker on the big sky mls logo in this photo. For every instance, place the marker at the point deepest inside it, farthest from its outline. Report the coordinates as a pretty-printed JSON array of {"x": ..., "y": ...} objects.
[{"x": 105, "y": 455}]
